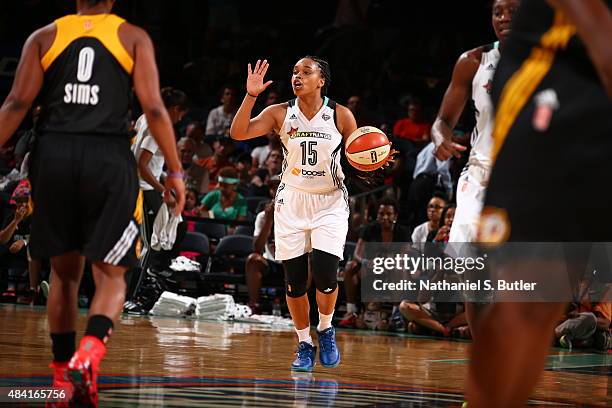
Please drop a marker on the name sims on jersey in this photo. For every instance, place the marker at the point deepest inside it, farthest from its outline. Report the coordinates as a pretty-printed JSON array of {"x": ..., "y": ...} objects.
[{"x": 82, "y": 94}]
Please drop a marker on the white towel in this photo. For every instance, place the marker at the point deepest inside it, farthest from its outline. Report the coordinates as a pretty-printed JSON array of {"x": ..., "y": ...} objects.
[
  {"x": 164, "y": 229},
  {"x": 171, "y": 304}
]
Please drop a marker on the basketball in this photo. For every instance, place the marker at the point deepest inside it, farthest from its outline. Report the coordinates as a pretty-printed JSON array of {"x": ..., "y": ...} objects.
[{"x": 367, "y": 148}]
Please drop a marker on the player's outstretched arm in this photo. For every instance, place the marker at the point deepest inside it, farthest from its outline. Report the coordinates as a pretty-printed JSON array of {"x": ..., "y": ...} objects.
[
  {"x": 146, "y": 85},
  {"x": 452, "y": 106},
  {"x": 593, "y": 20},
  {"x": 27, "y": 84},
  {"x": 243, "y": 127}
]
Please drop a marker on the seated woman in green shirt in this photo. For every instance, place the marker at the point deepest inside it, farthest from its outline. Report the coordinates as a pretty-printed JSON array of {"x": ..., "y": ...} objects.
[{"x": 225, "y": 202}]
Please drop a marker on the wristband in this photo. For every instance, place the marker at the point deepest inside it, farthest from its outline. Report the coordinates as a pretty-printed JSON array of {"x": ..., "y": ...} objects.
[
  {"x": 252, "y": 96},
  {"x": 175, "y": 174}
]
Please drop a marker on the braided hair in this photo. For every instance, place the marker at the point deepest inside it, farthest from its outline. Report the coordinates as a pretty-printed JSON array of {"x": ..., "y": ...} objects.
[{"x": 325, "y": 72}]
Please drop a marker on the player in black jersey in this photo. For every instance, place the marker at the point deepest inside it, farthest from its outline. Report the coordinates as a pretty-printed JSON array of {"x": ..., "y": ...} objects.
[
  {"x": 83, "y": 174},
  {"x": 552, "y": 92}
]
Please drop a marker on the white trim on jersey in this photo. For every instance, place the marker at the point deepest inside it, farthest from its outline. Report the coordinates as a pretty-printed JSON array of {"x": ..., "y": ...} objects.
[
  {"x": 311, "y": 147},
  {"x": 474, "y": 177},
  {"x": 482, "y": 135}
]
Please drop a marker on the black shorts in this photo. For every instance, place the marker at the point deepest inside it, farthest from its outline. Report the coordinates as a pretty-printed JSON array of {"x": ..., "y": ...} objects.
[
  {"x": 86, "y": 198},
  {"x": 550, "y": 181}
]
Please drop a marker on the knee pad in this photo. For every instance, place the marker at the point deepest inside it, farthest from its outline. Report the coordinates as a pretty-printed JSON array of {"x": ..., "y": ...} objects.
[
  {"x": 325, "y": 271},
  {"x": 296, "y": 276}
]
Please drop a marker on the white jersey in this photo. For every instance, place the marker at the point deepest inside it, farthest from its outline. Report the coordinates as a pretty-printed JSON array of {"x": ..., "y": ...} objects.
[
  {"x": 312, "y": 149},
  {"x": 471, "y": 186},
  {"x": 144, "y": 140},
  {"x": 482, "y": 135}
]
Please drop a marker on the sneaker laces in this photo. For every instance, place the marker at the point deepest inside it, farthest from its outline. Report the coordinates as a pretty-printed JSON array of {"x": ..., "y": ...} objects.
[
  {"x": 303, "y": 351},
  {"x": 326, "y": 341}
]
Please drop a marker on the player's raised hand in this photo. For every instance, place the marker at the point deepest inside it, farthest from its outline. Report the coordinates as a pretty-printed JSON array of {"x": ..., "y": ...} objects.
[{"x": 255, "y": 78}]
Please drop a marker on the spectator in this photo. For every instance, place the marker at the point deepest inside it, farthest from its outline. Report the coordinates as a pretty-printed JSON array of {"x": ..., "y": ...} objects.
[
  {"x": 195, "y": 132},
  {"x": 362, "y": 116},
  {"x": 223, "y": 147},
  {"x": 272, "y": 98},
  {"x": 440, "y": 317},
  {"x": 434, "y": 212},
  {"x": 14, "y": 237},
  {"x": 446, "y": 222},
  {"x": 243, "y": 165},
  {"x": 191, "y": 200},
  {"x": 25, "y": 141},
  {"x": 413, "y": 127},
  {"x": 274, "y": 163},
  {"x": 150, "y": 158},
  {"x": 19, "y": 172},
  {"x": 384, "y": 229},
  {"x": 220, "y": 118},
  {"x": 356, "y": 222},
  {"x": 196, "y": 177},
  {"x": 225, "y": 202},
  {"x": 427, "y": 164},
  {"x": 430, "y": 174},
  {"x": 186, "y": 150},
  {"x": 261, "y": 262},
  {"x": 373, "y": 318},
  {"x": 260, "y": 153},
  {"x": 586, "y": 323}
]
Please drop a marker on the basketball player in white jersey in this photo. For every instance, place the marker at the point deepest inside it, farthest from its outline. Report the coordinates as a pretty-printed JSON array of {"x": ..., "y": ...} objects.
[
  {"x": 311, "y": 213},
  {"x": 472, "y": 77}
]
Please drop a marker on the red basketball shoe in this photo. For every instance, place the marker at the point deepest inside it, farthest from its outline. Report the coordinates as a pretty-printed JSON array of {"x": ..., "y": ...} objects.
[
  {"x": 83, "y": 371},
  {"x": 61, "y": 384}
]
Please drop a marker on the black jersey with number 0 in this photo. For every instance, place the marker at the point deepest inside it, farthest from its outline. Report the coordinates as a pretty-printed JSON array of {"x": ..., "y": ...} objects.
[{"x": 87, "y": 84}]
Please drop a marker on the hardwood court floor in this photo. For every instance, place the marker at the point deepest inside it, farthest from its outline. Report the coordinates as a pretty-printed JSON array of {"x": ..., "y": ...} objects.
[{"x": 157, "y": 361}]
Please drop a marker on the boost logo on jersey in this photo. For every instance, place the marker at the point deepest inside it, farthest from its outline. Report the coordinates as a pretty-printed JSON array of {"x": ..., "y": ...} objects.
[{"x": 307, "y": 173}]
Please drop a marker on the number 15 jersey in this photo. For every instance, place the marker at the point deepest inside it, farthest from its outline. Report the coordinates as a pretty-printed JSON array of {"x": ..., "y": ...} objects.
[{"x": 312, "y": 149}]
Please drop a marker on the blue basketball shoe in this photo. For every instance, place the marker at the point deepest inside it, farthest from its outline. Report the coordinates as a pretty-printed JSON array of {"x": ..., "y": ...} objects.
[
  {"x": 329, "y": 355},
  {"x": 305, "y": 360}
]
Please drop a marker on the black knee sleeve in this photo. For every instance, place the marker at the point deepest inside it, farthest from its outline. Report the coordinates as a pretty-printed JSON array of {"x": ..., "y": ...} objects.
[
  {"x": 325, "y": 270},
  {"x": 296, "y": 276}
]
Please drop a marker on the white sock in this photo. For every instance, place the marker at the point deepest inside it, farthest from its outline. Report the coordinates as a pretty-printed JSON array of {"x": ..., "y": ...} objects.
[
  {"x": 351, "y": 308},
  {"x": 304, "y": 335},
  {"x": 324, "y": 321}
]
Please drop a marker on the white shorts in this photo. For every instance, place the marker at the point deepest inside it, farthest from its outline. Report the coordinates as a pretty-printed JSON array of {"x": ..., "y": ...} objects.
[
  {"x": 306, "y": 221},
  {"x": 471, "y": 190}
]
